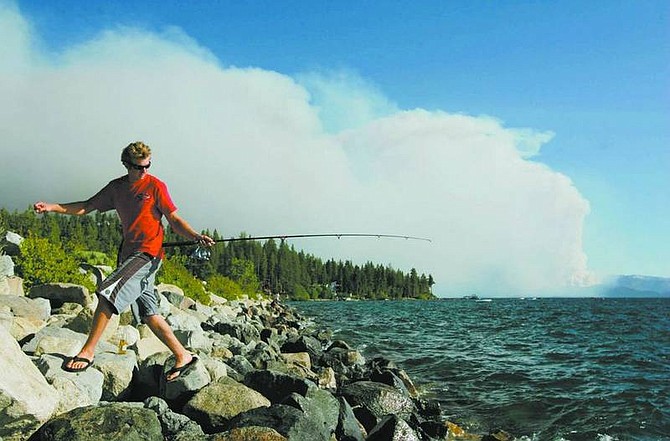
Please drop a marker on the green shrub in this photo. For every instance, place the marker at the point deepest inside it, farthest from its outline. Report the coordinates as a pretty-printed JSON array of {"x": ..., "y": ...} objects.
[
  {"x": 243, "y": 273},
  {"x": 95, "y": 258},
  {"x": 174, "y": 272},
  {"x": 41, "y": 261},
  {"x": 299, "y": 293},
  {"x": 224, "y": 287}
]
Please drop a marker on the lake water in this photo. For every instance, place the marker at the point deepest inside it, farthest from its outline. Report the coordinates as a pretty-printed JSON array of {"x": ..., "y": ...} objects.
[{"x": 545, "y": 369}]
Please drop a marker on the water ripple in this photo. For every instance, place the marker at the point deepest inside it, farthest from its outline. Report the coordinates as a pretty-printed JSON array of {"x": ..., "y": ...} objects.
[{"x": 571, "y": 369}]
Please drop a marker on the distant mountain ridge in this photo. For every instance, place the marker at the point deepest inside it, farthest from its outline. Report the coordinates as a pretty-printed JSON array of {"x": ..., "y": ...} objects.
[{"x": 637, "y": 286}]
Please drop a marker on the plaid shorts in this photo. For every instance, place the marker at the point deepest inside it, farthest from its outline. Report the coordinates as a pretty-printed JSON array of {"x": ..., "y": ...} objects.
[{"x": 132, "y": 284}]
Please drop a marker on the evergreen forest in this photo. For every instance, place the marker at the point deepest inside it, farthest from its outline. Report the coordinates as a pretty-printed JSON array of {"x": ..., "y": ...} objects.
[{"x": 272, "y": 268}]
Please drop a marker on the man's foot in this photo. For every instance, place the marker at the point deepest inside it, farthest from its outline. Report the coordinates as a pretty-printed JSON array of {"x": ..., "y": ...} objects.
[
  {"x": 178, "y": 371},
  {"x": 77, "y": 364}
]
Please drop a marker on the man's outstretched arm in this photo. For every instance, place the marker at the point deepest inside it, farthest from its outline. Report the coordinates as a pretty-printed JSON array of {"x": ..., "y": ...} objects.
[
  {"x": 181, "y": 227},
  {"x": 76, "y": 208}
]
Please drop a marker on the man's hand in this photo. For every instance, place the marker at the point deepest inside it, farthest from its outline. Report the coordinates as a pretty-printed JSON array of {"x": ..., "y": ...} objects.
[
  {"x": 204, "y": 240},
  {"x": 42, "y": 207}
]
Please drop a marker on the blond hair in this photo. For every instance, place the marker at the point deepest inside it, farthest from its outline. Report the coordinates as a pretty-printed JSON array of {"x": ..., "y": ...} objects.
[{"x": 135, "y": 151}]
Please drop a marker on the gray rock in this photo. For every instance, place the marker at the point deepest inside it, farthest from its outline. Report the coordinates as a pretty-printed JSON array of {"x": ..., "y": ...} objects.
[
  {"x": 348, "y": 427},
  {"x": 74, "y": 389},
  {"x": 175, "y": 295},
  {"x": 6, "y": 319},
  {"x": 216, "y": 368},
  {"x": 181, "y": 320},
  {"x": 202, "y": 309},
  {"x": 371, "y": 401},
  {"x": 390, "y": 379},
  {"x": 69, "y": 309},
  {"x": 26, "y": 398},
  {"x": 276, "y": 386},
  {"x": 176, "y": 427},
  {"x": 39, "y": 309},
  {"x": 111, "y": 422},
  {"x": 250, "y": 433},
  {"x": 15, "y": 285},
  {"x": 304, "y": 343},
  {"x": 6, "y": 266},
  {"x": 10, "y": 243},
  {"x": 393, "y": 428},
  {"x": 347, "y": 357},
  {"x": 118, "y": 370},
  {"x": 241, "y": 365},
  {"x": 22, "y": 328},
  {"x": 215, "y": 404},
  {"x": 260, "y": 355},
  {"x": 197, "y": 339},
  {"x": 60, "y": 293},
  {"x": 319, "y": 406},
  {"x": 287, "y": 420},
  {"x": 244, "y": 332},
  {"x": 186, "y": 385},
  {"x": 326, "y": 378},
  {"x": 54, "y": 340},
  {"x": 147, "y": 378}
]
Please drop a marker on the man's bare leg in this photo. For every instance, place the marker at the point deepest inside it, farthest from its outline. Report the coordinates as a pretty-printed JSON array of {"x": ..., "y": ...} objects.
[
  {"x": 164, "y": 332},
  {"x": 101, "y": 316}
]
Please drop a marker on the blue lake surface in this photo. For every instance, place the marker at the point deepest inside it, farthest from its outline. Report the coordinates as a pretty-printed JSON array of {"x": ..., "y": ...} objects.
[{"x": 545, "y": 369}]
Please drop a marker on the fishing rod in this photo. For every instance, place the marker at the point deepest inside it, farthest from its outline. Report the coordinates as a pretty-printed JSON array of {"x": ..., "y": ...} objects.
[{"x": 295, "y": 236}]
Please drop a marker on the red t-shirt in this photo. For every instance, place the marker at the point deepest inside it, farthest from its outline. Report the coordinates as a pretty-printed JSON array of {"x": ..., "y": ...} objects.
[{"x": 140, "y": 207}]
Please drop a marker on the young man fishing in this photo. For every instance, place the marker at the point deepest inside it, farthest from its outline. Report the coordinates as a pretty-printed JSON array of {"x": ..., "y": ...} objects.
[{"x": 140, "y": 200}]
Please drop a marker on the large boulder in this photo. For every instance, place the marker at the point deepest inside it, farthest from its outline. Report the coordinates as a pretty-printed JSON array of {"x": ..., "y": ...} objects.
[
  {"x": 176, "y": 427},
  {"x": 250, "y": 433},
  {"x": 179, "y": 391},
  {"x": 287, "y": 420},
  {"x": 215, "y": 404},
  {"x": 276, "y": 386},
  {"x": 22, "y": 327},
  {"x": 59, "y": 293},
  {"x": 245, "y": 332},
  {"x": 392, "y": 428},
  {"x": 184, "y": 321},
  {"x": 109, "y": 422},
  {"x": 147, "y": 378},
  {"x": 118, "y": 370},
  {"x": 75, "y": 389},
  {"x": 175, "y": 295},
  {"x": 6, "y": 266},
  {"x": 320, "y": 407},
  {"x": 197, "y": 339},
  {"x": 10, "y": 243},
  {"x": 39, "y": 309},
  {"x": 15, "y": 285},
  {"x": 304, "y": 343},
  {"x": 149, "y": 345},
  {"x": 6, "y": 318},
  {"x": 371, "y": 401},
  {"x": 348, "y": 427},
  {"x": 53, "y": 340},
  {"x": 26, "y": 398}
]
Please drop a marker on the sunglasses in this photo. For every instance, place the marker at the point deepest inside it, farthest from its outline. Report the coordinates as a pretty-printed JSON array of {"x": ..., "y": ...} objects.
[{"x": 138, "y": 167}]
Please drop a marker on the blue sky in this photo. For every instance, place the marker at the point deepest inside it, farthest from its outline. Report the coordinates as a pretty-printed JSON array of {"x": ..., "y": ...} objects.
[{"x": 595, "y": 74}]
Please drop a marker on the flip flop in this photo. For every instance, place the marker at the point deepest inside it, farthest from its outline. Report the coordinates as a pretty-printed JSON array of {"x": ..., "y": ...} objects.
[
  {"x": 181, "y": 370},
  {"x": 87, "y": 362}
]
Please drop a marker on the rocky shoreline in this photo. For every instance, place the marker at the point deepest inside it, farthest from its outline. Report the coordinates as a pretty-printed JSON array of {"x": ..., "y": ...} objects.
[{"x": 262, "y": 374}]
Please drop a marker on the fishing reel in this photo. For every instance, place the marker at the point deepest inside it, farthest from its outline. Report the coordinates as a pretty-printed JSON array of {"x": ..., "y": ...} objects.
[{"x": 201, "y": 254}]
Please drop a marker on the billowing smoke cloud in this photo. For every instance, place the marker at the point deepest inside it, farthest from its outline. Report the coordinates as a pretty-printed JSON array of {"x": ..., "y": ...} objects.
[{"x": 261, "y": 152}]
